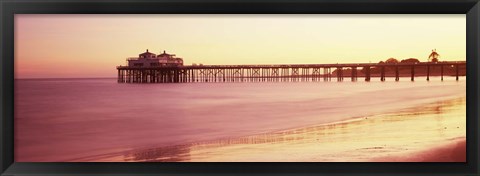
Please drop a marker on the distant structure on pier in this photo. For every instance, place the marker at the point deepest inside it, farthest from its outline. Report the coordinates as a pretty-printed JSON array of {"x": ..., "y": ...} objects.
[
  {"x": 148, "y": 59},
  {"x": 433, "y": 57}
]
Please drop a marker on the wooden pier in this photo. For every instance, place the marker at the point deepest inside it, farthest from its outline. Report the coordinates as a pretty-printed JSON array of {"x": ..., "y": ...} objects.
[{"x": 286, "y": 73}]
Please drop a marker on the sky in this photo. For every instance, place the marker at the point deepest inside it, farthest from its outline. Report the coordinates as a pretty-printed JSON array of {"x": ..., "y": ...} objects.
[{"x": 89, "y": 46}]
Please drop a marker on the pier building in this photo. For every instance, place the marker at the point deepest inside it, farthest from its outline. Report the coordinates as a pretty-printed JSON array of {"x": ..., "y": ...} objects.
[{"x": 148, "y": 59}]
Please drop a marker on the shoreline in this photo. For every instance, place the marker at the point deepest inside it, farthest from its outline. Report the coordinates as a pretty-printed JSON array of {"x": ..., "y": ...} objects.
[{"x": 328, "y": 134}]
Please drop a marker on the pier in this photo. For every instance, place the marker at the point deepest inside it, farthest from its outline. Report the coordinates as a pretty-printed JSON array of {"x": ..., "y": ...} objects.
[{"x": 288, "y": 73}]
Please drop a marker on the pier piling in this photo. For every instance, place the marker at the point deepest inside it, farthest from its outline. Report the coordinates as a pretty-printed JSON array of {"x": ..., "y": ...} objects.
[
  {"x": 397, "y": 74},
  {"x": 428, "y": 72},
  {"x": 413, "y": 73},
  {"x": 441, "y": 71},
  {"x": 456, "y": 71}
]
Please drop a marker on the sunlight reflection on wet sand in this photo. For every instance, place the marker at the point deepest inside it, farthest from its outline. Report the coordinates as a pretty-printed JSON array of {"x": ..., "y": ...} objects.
[{"x": 359, "y": 139}]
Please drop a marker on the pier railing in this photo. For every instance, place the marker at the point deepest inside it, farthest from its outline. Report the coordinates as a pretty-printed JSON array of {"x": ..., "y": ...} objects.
[{"x": 288, "y": 72}]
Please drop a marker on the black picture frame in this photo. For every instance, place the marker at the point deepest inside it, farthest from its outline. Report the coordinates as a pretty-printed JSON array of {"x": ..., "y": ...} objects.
[{"x": 8, "y": 8}]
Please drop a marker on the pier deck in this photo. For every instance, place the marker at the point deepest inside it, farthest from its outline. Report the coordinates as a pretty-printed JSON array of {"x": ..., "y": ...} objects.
[{"x": 287, "y": 73}]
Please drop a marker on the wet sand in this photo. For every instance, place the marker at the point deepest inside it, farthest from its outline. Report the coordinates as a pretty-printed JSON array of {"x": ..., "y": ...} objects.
[
  {"x": 433, "y": 132},
  {"x": 454, "y": 151}
]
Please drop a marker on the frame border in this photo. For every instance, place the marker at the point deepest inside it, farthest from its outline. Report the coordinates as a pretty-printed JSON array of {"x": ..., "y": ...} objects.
[{"x": 8, "y": 9}]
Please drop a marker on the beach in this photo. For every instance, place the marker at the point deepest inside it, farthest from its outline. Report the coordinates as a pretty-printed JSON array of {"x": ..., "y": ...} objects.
[
  {"x": 404, "y": 136},
  {"x": 249, "y": 122},
  {"x": 454, "y": 151}
]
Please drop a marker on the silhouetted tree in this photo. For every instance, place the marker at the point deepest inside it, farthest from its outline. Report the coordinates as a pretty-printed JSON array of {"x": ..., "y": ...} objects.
[
  {"x": 410, "y": 60},
  {"x": 391, "y": 61}
]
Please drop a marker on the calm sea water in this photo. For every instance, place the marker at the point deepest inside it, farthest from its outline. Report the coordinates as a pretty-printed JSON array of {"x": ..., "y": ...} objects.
[{"x": 68, "y": 119}]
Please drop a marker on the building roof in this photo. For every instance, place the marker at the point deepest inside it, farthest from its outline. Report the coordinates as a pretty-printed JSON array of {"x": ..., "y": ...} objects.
[
  {"x": 165, "y": 54},
  {"x": 147, "y": 53}
]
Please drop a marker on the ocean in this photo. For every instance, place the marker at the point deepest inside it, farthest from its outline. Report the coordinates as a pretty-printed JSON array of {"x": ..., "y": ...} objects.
[{"x": 102, "y": 120}]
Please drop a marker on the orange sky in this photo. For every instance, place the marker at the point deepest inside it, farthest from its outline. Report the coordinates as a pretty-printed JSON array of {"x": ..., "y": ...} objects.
[{"x": 80, "y": 46}]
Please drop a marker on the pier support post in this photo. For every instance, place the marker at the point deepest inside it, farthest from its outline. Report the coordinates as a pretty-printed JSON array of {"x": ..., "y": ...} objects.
[
  {"x": 367, "y": 73},
  {"x": 382, "y": 74},
  {"x": 118, "y": 78},
  {"x": 325, "y": 74},
  {"x": 441, "y": 71},
  {"x": 330, "y": 74},
  {"x": 215, "y": 75},
  {"x": 127, "y": 76},
  {"x": 192, "y": 74},
  {"x": 185, "y": 75},
  {"x": 249, "y": 75},
  {"x": 397, "y": 74},
  {"x": 241, "y": 74},
  {"x": 354, "y": 74},
  {"x": 413, "y": 73},
  {"x": 294, "y": 74},
  {"x": 143, "y": 78},
  {"x": 122, "y": 76},
  {"x": 339, "y": 74},
  {"x": 456, "y": 70},
  {"x": 428, "y": 72}
]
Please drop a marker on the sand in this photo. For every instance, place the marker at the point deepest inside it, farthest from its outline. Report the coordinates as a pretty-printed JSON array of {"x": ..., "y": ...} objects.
[{"x": 451, "y": 151}]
